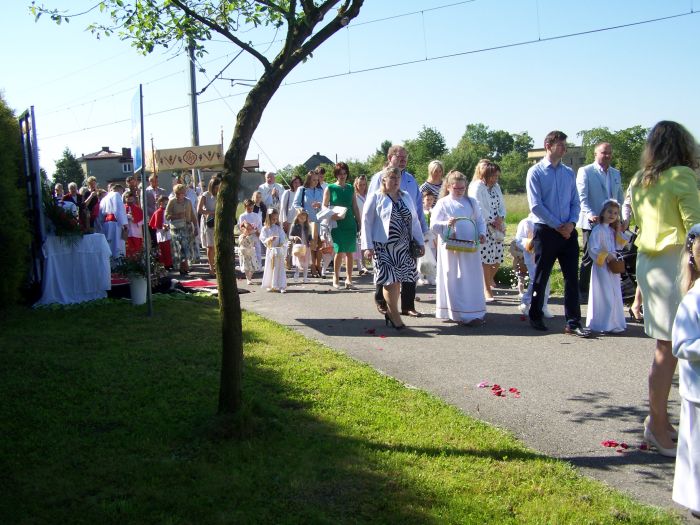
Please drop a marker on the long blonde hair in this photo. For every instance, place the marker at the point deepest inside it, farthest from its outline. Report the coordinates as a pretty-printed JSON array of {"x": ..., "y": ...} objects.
[
  {"x": 484, "y": 169},
  {"x": 668, "y": 144},
  {"x": 452, "y": 177}
]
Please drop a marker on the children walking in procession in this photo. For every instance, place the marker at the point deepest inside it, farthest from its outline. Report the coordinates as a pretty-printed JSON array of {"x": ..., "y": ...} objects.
[
  {"x": 686, "y": 347},
  {"x": 273, "y": 237},
  {"x": 300, "y": 235},
  {"x": 606, "y": 311},
  {"x": 248, "y": 260}
]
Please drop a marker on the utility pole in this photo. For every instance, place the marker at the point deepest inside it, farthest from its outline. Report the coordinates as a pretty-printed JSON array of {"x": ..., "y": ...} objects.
[{"x": 194, "y": 118}]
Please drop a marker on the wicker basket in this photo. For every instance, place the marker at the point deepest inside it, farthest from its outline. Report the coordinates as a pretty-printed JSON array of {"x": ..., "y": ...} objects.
[
  {"x": 617, "y": 266},
  {"x": 454, "y": 244}
]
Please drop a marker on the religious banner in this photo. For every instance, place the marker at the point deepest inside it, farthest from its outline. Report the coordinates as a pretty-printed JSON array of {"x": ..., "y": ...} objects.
[{"x": 190, "y": 158}]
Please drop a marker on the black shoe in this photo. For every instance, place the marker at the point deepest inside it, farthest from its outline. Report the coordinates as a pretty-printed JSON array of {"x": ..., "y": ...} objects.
[
  {"x": 537, "y": 324},
  {"x": 578, "y": 331},
  {"x": 388, "y": 321}
]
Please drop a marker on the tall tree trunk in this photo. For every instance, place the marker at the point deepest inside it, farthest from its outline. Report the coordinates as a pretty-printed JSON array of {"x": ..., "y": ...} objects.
[{"x": 227, "y": 202}]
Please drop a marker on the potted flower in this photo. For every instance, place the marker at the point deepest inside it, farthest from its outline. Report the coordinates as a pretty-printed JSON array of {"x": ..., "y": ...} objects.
[{"x": 134, "y": 269}]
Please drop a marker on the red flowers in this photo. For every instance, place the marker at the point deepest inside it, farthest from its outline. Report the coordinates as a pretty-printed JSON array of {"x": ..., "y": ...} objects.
[{"x": 498, "y": 391}]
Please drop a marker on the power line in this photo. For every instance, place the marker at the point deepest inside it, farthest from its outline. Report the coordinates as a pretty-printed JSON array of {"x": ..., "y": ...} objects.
[{"x": 408, "y": 62}]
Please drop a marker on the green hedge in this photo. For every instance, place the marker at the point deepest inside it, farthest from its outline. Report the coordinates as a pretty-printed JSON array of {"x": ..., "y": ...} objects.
[{"x": 14, "y": 229}]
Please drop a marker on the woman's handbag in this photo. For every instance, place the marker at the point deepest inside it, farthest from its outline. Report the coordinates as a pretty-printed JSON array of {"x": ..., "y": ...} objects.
[
  {"x": 210, "y": 221},
  {"x": 496, "y": 234},
  {"x": 415, "y": 249},
  {"x": 617, "y": 265},
  {"x": 454, "y": 244}
]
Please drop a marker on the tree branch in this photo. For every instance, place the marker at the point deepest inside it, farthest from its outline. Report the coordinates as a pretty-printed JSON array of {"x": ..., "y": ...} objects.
[
  {"x": 349, "y": 9},
  {"x": 224, "y": 32}
]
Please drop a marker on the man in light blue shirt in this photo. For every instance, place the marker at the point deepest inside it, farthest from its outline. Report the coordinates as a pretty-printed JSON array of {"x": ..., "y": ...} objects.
[
  {"x": 397, "y": 157},
  {"x": 554, "y": 200}
]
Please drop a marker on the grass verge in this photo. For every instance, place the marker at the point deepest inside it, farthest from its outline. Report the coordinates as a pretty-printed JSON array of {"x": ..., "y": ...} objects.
[{"x": 108, "y": 418}]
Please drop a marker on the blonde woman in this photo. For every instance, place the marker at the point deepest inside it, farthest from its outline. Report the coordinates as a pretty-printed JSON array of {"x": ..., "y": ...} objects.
[
  {"x": 389, "y": 223},
  {"x": 183, "y": 228},
  {"x": 485, "y": 189},
  {"x": 434, "y": 182}
]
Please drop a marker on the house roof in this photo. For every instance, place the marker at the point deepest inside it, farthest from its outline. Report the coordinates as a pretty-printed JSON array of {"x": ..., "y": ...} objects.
[
  {"x": 316, "y": 160},
  {"x": 106, "y": 153}
]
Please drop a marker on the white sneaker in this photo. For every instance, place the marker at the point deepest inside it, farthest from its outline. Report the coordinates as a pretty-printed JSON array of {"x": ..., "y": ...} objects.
[
  {"x": 524, "y": 308},
  {"x": 282, "y": 290},
  {"x": 249, "y": 281},
  {"x": 306, "y": 280},
  {"x": 546, "y": 313},
  {"x": 421, "y": 282}
]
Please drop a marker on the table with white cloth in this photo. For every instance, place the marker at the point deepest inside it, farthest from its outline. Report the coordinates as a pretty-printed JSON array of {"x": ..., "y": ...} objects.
[{"x": 75, "y": 271}]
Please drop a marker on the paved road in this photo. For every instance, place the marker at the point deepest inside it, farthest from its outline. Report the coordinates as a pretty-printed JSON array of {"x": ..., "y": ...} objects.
[{"x": 574, "y": 393}]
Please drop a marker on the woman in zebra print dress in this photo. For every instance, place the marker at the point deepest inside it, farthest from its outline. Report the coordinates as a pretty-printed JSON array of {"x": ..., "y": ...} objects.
[{"x": 389, "y": 223}]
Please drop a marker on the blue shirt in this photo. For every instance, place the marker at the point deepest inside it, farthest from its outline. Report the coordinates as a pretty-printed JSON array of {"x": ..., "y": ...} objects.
[
  {"x": 410, "y": 186},
  {"x": 552, "y": 193},
  {"x": 308, "y": 195}
]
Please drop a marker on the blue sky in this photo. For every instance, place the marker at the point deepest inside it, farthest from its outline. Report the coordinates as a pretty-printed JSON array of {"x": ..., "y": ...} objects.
[{"x": 617, "y": 78}]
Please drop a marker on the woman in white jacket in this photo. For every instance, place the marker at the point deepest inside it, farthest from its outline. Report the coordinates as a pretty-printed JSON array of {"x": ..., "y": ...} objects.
[
  {"x": 389, "y": 223},
  {"x": 485, "y": 189}
]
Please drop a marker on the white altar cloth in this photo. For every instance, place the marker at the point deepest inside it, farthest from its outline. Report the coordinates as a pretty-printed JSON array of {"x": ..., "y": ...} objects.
[{"x": 75, "y": 273}]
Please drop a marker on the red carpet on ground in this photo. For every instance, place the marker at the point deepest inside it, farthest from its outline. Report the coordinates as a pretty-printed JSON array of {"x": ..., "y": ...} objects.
[{"x": 198, "y": 283}]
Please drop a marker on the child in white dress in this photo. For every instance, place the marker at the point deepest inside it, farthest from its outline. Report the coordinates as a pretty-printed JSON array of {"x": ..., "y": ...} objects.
[
  {"x": 523, "y": 240},
  {"x": 254, "y": 219},
  {"x": 273, "y": 237},
  {"x": 686, "y": 347},
  {"x": 246, "y": 251},
  {"x": 300, "y": 235},
  {"x": 606, "y": 311},
  {"x": 427, "y": 265}
]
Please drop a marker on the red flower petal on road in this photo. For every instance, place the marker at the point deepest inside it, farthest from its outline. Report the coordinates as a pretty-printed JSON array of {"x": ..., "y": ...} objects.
[
  {"x": 383, "y": 336},
  {"x": 624, "y": 445},
  {"x": 643, "y": 446},
  {"x": 610, "y": 443},
  {"x": 483, "y": 384}
]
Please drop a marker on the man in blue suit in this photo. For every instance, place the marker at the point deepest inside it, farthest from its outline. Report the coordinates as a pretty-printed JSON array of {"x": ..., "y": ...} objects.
[{"x": 596, "y": 183}]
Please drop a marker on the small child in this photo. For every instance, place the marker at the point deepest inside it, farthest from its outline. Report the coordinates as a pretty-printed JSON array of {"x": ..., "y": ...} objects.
[
  {"x": 162, "y": 229},
  {"x": 300, "y": 235},
  {"x": 427, "y": 265},
  {"x": 606, "y": 312},
  {"x": 273, "y": 237},
  {"x": 523, "y": 240},
  {"x": 248, "y": 261},
  {"x": 134, "y": 213},
  {"x": 254, "y": 219},
  {"x": 326, "y": 244},
  {"x": 686, "y": 347}
]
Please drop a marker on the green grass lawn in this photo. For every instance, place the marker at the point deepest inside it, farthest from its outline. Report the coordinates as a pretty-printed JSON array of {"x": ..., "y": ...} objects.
[{"x": 108, "y": 417}]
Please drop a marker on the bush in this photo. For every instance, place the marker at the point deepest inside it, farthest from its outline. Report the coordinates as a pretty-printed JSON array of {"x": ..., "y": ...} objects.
[{"x": 14, "y": 228}]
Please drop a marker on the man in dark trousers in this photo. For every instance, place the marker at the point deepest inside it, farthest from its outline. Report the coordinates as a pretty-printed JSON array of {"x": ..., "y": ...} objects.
[{"x": 554, "y": 200}]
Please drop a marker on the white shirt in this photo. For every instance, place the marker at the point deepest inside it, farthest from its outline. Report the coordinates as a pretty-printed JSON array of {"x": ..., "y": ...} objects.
[{"x": 686, "y": 344}]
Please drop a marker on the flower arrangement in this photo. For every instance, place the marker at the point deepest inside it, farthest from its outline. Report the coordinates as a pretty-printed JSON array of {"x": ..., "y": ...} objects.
[
  {"x": 61, "y": 222},
  {"x": 136, "y": 265}
]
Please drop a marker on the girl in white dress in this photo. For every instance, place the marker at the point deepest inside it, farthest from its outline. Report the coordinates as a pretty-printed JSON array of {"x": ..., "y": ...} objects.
[
  {"x": 686, "y": 347},
  {"x": 273, "y": 237},
  {"x": 606, "y": 312},
  {"x": 246, "y": 251},
  {"x": 460, "y": 280}
]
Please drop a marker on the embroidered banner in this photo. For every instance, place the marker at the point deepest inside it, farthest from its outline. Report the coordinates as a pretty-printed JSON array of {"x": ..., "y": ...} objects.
[{"x": 193, "y": 157}]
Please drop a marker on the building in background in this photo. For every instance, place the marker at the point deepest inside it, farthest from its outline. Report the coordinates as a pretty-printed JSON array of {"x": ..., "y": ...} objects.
[
  {"x": 107, "y": 165},
  {"x": 575, "y": 157}
]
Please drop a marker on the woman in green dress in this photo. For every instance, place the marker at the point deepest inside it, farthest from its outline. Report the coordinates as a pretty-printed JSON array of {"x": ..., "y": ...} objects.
[{"x": 345, "y": 233}]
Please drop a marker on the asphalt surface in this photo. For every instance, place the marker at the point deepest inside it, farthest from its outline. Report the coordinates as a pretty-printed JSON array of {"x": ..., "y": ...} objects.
[{"x": 574, "y": 393}]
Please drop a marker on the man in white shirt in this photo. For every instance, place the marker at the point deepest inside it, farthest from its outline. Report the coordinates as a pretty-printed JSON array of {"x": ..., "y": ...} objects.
[
  {"x": 114, "y": 221},
  {"x": 271, "y": 191}
]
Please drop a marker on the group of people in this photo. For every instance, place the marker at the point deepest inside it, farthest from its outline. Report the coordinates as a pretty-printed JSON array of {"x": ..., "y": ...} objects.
[
  {"x": 663, "y": 199},
  {"x": 179, "y": 222},
  {"x": 450, "y": 231}
]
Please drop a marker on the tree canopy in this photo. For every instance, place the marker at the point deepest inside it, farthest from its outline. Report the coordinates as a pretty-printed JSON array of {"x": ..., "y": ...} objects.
[{"x": 68, "y": 170}]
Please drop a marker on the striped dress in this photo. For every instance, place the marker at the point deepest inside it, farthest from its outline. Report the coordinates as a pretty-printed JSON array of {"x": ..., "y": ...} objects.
[{"x": 392, "y": 259}]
